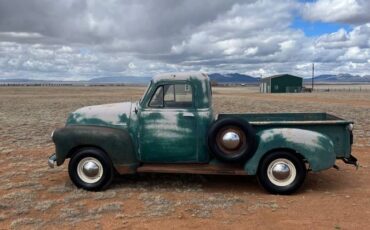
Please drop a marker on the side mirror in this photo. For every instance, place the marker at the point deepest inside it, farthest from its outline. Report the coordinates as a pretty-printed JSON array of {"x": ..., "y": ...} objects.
[{"x": 135, "y": 110}]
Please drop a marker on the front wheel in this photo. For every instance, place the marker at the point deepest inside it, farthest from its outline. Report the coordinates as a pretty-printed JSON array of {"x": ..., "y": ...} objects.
[
  {"x": 90, "y": 169},
  {"x": 281, "y": 172}
]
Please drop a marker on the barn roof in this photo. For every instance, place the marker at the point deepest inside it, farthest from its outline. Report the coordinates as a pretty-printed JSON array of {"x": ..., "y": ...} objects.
[{"x": 280, "y": 75}]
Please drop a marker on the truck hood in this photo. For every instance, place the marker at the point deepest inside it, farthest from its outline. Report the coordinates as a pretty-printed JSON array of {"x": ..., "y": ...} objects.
[{"x": 117, "y": 114}]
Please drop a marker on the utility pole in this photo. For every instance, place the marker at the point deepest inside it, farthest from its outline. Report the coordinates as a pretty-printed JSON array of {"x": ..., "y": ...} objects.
[
  {"x": 313, "y": 74},
  {"x": 261, "y": 84}
]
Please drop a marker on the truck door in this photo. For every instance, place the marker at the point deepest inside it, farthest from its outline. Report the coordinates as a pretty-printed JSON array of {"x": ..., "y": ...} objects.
[{"x": 168, "y": 126}]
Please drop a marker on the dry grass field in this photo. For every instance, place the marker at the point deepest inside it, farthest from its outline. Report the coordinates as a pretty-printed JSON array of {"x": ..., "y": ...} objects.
[{"x": 32, "y": 196}]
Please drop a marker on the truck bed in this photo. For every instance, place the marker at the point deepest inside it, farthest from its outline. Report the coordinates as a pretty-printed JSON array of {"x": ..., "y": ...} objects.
[
  {"x": 332, "y": 126},
  {"x": 287, "y": 118}
]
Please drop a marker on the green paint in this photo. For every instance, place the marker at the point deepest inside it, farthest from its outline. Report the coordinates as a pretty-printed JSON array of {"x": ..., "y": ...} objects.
[
  {"x": 322, "y": 123},
  {"x": 316, "y": 148},
  {"x": 133, "y": 133},
  {"x": 117, "y": 143}
]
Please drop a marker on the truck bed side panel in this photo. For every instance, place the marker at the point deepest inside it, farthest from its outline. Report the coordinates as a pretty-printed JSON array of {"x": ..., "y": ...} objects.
[
  {"x": 314, "y": 147},
  {"x": 329, "y": 125}
]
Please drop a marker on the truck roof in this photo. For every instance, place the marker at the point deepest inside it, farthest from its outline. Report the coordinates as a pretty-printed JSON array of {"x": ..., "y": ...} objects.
[{"x": 180, "y": 76}]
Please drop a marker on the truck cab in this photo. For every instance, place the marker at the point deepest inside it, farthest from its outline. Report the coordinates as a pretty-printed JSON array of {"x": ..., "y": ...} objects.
[
  {"x": 173, "y": 119},
  {"x": 173, "y": 129}
]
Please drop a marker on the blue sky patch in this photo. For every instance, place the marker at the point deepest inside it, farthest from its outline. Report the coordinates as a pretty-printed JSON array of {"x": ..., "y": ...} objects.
[{"x": 317, "y": 28}]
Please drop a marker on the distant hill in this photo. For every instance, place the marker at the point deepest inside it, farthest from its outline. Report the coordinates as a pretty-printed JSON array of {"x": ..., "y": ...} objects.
[
  {"x": 228, "y": 78},
  {"x": 121, "y": 80},
  {"x": 20, "y": 80},
  {"x": 235, "y": 78},
  {"x": 340, "y": 78},
  {"x": 101, "y": 80},
  {"x": 219, "y": 78}
]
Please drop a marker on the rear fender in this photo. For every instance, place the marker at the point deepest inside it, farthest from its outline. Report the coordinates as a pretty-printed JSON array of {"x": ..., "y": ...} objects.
[
  {"x": 116, "y": 143},
  {"x": 317, "y": 149}
]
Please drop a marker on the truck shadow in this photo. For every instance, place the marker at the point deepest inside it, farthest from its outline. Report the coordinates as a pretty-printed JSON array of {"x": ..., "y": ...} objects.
[
  {"x": 328, "y": 181},
  {"x": 188, "y": 182},
  {"x": 332, "y": 181}
]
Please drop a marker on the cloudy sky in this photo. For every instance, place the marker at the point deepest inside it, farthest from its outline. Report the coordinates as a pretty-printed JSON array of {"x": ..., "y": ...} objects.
[{"x": 77, "y": 40}]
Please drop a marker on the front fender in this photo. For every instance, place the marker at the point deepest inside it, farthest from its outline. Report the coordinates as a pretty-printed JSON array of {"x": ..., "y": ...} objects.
[
  {"x": 317, "y": 149},
  {"x": 116, "y": 143}
]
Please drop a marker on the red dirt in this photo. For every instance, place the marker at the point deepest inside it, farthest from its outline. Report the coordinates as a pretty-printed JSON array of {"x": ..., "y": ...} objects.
[{"x": 34, "y": 196}]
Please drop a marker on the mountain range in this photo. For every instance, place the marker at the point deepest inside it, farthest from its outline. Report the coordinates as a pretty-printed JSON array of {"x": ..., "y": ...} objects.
[
  {"x": 228, "y": 78},
  {"x": 233, "y": 78},
  {"x": 340, "y": 78}
]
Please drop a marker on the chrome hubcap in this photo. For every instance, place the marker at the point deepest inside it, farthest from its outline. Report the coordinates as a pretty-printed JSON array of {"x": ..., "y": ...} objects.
[
  {"x": 231, "y": 140},
  {"x": 90, "y": 170},
  {"x": 281, "y": 172}
]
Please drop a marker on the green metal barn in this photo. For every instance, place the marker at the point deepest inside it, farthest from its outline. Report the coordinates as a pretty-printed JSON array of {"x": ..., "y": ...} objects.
[{"x": 283, "y": 83}]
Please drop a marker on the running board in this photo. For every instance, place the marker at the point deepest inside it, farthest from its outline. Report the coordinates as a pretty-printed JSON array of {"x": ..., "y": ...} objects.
[{"x": 192, "y": 169}]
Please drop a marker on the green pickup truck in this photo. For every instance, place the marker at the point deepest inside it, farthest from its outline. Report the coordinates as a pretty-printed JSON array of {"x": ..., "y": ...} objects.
[{"x": 173, "y": 129}]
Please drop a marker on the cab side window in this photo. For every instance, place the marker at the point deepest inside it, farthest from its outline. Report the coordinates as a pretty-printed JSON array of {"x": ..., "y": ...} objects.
[
  {"x": 173, "y": 96},
  {"x": 157, "y": 99}
]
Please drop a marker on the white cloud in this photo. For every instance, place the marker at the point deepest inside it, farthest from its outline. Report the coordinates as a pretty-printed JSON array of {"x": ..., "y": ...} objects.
[
  {"x": 86, "y": 39},
  {"x": 12, "y": 35},
  {"x": 345, "y": 11},
  {"x": 344, "y": 47},
  {"x": 359, "y": 36},
  {"x": 355, "y": 54},
  {"x": 131, "y": 65}
]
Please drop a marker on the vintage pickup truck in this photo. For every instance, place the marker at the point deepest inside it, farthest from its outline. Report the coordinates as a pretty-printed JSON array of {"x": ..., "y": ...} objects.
[{"x": 173, "y": 129}]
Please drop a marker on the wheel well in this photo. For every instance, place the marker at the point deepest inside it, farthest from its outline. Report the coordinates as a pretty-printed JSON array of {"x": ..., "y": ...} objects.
[
  {"x": 77, "y": 148},
  {"x": 284, "y": 150}
]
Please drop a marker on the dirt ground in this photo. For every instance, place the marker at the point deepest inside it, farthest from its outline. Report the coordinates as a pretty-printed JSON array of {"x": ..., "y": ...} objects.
[{"x": 32, "y": 196}]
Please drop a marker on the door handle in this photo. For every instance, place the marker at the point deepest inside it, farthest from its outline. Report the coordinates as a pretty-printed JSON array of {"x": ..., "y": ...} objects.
[{"x": 188, "y": 115}]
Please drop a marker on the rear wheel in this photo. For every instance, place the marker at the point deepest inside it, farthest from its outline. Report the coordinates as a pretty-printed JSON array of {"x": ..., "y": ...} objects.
[
  {"x": 90, "y": 169},
  {"x": 281, "y": 172}
]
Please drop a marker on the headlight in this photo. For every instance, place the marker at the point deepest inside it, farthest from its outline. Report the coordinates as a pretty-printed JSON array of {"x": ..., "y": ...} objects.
[{"x": 350, "y": 127}]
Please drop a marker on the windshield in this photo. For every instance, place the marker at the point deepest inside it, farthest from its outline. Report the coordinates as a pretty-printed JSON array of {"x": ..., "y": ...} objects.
[{"x": 147, "y": 88}]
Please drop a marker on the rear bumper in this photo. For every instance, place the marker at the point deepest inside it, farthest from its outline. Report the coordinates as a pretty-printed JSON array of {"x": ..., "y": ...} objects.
[{"x": 52, "y": 161}]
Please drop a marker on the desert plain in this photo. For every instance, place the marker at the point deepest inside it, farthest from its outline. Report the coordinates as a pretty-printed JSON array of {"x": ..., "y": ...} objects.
[{"x": 33, "y": 196}]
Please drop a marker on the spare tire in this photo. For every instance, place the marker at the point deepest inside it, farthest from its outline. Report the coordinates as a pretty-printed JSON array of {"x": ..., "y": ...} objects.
[{"x": 232, "y": 140}]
